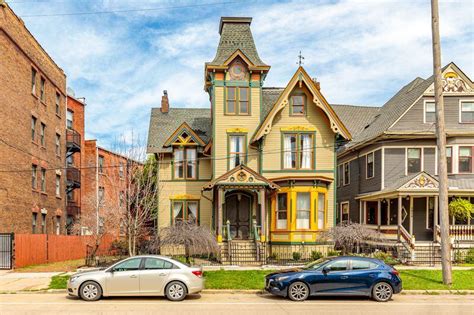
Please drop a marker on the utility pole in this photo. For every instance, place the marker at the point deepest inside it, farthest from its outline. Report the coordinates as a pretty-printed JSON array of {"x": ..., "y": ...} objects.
[{"x": 441, "y": 146}]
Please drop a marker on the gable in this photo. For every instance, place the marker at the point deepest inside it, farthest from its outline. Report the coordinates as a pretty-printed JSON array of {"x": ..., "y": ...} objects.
[
  {"x": 239, "y": 177},
  {"x": 184, "y": 136},
  {"x": 420, "y": 181},
  {"x": 298, "y": 79},
  {"x": 454, "y": 81}
]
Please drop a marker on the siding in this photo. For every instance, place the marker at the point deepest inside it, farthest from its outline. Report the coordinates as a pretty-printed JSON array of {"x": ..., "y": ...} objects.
[
  {"x": 394, "y": 167},
  {"x": 429, "y": 160}
]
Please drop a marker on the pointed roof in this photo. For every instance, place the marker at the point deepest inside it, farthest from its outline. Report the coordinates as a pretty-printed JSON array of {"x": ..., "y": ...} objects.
[
  {"x": 236, "y": 35},
  {"x": 241, "y": 176},
  {"x": 300, "y": 76},
  {"x": 177, "y": 136}
]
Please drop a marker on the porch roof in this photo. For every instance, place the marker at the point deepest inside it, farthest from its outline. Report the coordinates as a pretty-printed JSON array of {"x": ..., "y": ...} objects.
[{"x": 241, "y": 176}]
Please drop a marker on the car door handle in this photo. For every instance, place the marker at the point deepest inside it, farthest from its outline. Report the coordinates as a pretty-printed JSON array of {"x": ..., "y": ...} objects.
[
  {"x": 162, "y": 274},
  {"x": 344, "y": 277},
  {"x": 133, "y": 276}
]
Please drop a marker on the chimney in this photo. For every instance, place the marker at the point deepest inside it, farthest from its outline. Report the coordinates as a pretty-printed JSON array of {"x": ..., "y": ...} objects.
[{"x": 165, "y": 104}]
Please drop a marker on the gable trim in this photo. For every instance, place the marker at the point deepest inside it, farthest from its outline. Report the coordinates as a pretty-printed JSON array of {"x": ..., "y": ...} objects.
[{"x": 184, "y": 127}]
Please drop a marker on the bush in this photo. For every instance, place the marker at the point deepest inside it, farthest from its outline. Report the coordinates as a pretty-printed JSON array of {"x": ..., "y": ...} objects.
[
  {"x": 296, "y": 256},
  {"x": 470, "y": 257},
  {"x": 385, "y": 257},
  {"x": 119, "y": 247},
  {"x": 273, "y": 256},
  {"x": 315, "y": 255},
  {"x": 461, "y": 209},
  {"x": 332, "y": 253}
]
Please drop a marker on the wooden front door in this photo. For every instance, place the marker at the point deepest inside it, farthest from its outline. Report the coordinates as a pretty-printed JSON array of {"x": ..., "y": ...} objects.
[{"x": 238, "y": 206}]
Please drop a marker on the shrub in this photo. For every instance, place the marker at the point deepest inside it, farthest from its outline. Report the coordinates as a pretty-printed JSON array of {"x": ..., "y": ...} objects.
[
  {"x": 315, "y": 255},
  {"x": 273, "y": 256},
  {"x": 296, "y": 256},
  {"x": 119, "y": 247},
  {"x": 470, "y": 257},
  {"x": 332, "y": 253},
  {"x": 385, "y": 257},
  {"x": 461, "y": 209}
]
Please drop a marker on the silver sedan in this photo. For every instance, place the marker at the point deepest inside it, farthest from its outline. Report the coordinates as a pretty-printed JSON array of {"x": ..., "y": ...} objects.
[{"x": 138, "y": 276}]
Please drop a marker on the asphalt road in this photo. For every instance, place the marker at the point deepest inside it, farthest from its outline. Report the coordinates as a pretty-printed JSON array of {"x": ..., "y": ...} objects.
[{"x": 234, "y": 304}]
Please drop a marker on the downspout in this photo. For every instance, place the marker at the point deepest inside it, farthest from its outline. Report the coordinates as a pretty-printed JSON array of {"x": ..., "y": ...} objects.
[{"x": 97, "y": 186}]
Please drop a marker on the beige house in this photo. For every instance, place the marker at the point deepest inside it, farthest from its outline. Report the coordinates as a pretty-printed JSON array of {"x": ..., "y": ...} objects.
[{"x": 258, "y": 166}]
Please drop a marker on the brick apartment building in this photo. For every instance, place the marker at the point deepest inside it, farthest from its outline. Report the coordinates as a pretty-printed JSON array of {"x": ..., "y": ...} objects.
[{"x": 32, "y": 133}]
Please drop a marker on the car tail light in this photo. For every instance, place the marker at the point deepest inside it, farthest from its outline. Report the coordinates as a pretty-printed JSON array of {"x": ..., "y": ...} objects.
[
  {"x": 197, "y": 273},
  {"x": 395, "y": 272}
]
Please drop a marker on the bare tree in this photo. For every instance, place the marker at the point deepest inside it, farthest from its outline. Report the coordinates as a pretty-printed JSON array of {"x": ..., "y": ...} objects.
[
  {"x": 349, "y": 235},
  {"x": 196, "y": 240}
]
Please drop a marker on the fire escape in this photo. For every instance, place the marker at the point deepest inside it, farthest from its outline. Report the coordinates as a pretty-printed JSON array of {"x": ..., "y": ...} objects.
[{"x": 73, "y": 173}]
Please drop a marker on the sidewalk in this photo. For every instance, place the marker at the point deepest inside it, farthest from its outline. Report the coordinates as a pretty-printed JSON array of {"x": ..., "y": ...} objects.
[{"x": 16, "y": 281}]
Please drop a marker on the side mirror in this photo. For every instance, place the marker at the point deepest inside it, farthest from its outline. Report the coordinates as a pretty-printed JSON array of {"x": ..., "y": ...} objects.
[{"x": 326, "y": 270}]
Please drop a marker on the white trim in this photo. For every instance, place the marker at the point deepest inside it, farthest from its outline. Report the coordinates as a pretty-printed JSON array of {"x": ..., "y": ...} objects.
[
  {"x": 455, "y": 154},
  {"x": 348, "y": 209},
  {"x": 436, "y": 160},
  {"x": 424, "y": 110},
  {"x": 406, "y": 159},
  {"x": 367, "y": 164},
  {"x": 460, "y": 111},
  {"x": 382, "y": 175}
]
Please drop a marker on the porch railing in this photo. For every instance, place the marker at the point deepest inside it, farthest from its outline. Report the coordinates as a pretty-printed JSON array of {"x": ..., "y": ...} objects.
[
  {"x": 437, "y": 233},
  {"x": 407, "y": 237},
  {"x": 462, "y": 232}
]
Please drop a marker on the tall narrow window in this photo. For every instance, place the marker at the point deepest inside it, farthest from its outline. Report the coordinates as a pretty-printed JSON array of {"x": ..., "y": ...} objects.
[
  {"x": 430, "y": 112},
  {"x": 33, "y": 81},
  {"x": 303, "y": 210},
  {"x": 413, "y": 160},
  {"x": 57, "y": 223},
  {"x": 297, "y": 105},
  {"x": 43, "y": 180},
  {"x": 344, "y": 212},
  {"x": 178, "y": 163},
  {"x": 370, "y": 165},
  {"x": 69, "y": 119},
  {"x": 33, "y": 176},
  {"x": 298, "y": 151},
  {"x": 282, "y": 211},
  {"x": 58, "y": 104},
  {"x": 347, "y": 173},
  {"x": 237, "y": 150},
  {"x": 191, "y": 163},
  {"x": 43, "y": 134},
  {"x": 449, "y": 159},
  {"x": 467, "y": 112},
  {"x": 43, "y": 223},
  {"x": 185, "y": 163},
  {"x": 340, "y": 175},
  {"x": 58, "y": 186},
  {"x": 290, "y": 150},
  {"x": 306, "y": 151},
  {"x": 321, "y": 208},
  {"x": 101, "y": 164},
  {"x": 33, "y": 128},
  {"x": 465, "y": 159},
  {"x": 42, "y": 89},
  {"x": 34, "y": 217},
  {"x": 101, "y": 196},
  {"x": 58, "y": 144},
  {"x": 192, "y": 211},
  {"x": 237, "y": 100}
]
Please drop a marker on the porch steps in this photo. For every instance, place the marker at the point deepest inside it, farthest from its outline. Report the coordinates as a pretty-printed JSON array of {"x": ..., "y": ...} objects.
[
  {"x": 426, "y": 254},
  {"x": 243, "y": 252}
]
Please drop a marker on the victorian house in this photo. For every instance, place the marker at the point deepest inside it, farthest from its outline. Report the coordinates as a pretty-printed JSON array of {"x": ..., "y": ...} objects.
[
  {"x": 387, "y": 175},
  {"x": 258, "y": 166}
]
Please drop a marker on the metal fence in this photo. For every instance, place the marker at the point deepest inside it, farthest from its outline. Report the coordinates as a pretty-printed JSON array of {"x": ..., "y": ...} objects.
[{"x": 6, "y": 250}]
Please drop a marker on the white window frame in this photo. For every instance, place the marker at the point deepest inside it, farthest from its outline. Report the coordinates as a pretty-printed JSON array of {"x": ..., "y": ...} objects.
[
  {"x": 341, "y": 205},
  {"x": 424, "y": 111},
  {"x": 422, "y": 157},
  {"x": 344, "y": 173},
  {"x": 288, "y": 202},
  {"x": 460, "y": 110},
  {"x": 367, "y": 165}
]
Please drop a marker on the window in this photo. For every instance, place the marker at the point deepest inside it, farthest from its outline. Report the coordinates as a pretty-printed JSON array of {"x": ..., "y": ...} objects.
[
  {"x": 185, "y": 163},
  {"x": 338, "y": 265},
  {"x": 69, "y": 119},
  {"x": 413, "y": 160},
  {"x": 465, "y": 159},
  {"x": 282, "y": 211},
  {"x": 121, "y": 169},
  {"x": 345, "y": 212},
  {"x": 362, "y": 264},
  {"x": 128, "y": 265},
  {"x": 33, "y": 81},
  {"x": 449, "y": 159},
  {"x": 33, "y": 128},
  {"x": 43, "y": 180},
  {"x": 43, "y": 223},
  {"x": 347, "y": 173},
  {"x": 298, "y": 151},
  {"x": 237, "y": 100},
  {"x": 155, "y": 263},
  {"x": 33, "y": 176},
  {"x": 467, "y": 112},
  {"x": 58, "y": 104},
  {"x": 58, "y": 185},
  {"x": 186, "y": 210},
  {"x": 101, "y": 196},
  {"x": 321, "y": 208},
  {"x": 101, "y": 164},
  {"x": 33, "y": 222},
  {"x": 58, "y": 144},
  {"x": 42, "y": 134},
  {"x": 340, "y": 175},
  {"x": 303, "y": 210},
  {"x": 430, "y": 112},
  {"x": 370, "y": 165},
  {"x": 42, "y": 89},
  {"x": 237, "y": 150},
  {"x": 57, "y": 223},
  {"x": 297, "y": 105}
]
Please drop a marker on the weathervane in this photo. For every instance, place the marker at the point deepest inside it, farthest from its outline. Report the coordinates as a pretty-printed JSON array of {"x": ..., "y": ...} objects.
[{"x": 300, "y": 59}]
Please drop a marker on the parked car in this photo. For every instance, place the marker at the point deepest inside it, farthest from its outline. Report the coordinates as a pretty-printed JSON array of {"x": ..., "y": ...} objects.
[
  {"x": 138, "y": 276},
  {"x": 350, "y": 276}
]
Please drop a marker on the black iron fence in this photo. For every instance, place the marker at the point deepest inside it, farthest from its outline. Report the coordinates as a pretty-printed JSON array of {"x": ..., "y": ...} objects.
[{"x": 6, "y": 250}]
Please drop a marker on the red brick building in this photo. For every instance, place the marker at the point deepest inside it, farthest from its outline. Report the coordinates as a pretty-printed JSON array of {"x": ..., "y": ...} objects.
[{"x": 32, "y": 133}]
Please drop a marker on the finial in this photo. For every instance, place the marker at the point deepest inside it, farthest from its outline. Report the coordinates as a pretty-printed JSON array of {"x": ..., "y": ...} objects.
[{"x": 300, "y": 59}]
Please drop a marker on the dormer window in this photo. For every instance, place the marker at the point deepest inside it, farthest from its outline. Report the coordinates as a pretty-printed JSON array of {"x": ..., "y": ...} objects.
[
  {"x": 297, "y": 103},
  {"x": 237, "y": 102},
  {"x": 185, "y": 163}
]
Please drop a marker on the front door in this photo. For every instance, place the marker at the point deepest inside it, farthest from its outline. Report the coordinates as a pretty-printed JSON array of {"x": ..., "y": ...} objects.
[
  {"x": 237, "y": 212},
  {"x": 422, "y": 220},
  {"x": 123, "y": 278}
]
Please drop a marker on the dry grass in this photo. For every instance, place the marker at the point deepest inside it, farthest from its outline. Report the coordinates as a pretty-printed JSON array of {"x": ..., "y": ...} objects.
[{"x": 62, "y": 266}]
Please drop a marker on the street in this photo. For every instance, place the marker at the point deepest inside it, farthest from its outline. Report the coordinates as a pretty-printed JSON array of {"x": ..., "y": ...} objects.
[{"x": 234, "y": 304}]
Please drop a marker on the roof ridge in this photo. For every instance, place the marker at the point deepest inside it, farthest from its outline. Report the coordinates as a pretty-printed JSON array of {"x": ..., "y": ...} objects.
[{"x": 359, "y": 106}]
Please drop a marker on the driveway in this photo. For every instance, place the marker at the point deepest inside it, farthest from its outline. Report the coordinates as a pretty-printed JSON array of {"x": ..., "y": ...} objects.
[{"x": 17, "y": 281}]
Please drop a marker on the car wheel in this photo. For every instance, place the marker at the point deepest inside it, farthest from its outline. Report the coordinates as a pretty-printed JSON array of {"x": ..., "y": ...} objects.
[
  {"x": 382, "y": 292},
  {"x": 176, "y": 291},
  {"x": 298, "y": 291},
  {"x": 90, "y": 291}
]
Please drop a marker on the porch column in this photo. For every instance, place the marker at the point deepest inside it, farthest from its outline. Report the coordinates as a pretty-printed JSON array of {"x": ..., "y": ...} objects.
[
  {"x": 361, "y": 206},
  {"x": 388, "y": 211},
  {"x": 364, "y": 219},
  {"x": 263, "y": 217},
  {"x": 399, "y": 216},
  {"x": 411, "y": 215},
  {"x": 220, "y": 201},
  {"x": 435, "y": 218},
  {"x": 379, "y": 213}
]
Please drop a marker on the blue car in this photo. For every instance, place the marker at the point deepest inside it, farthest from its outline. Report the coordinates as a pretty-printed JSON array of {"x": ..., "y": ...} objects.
[{"x": 337, "y": 276}]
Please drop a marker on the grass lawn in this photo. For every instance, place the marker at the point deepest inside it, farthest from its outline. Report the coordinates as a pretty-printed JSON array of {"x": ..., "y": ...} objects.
[
  {"x": 62, "y": 266},
  {"x": 254, "y": 280}
]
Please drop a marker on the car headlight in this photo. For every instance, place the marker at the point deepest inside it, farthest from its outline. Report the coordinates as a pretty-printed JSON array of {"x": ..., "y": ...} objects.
[
  {"x": 72, "y": 279},
  {"x": 281, "y": 278}
]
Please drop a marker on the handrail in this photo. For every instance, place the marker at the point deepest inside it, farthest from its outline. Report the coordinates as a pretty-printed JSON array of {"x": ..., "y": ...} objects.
[
  {"x": 407, "y": 237},
  {"x": 256, "y": 235},
  {"x": 227, "y": 226}
]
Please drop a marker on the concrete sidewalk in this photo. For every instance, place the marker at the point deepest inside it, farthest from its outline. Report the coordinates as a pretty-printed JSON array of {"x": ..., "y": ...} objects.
[{"x": 18, "y": 281}]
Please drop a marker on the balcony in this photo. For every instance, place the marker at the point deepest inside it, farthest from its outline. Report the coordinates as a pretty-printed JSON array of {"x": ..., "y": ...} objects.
[
  {"x": 73, "y": 178},
  {"x": 73, "y": 209},
  {"x": 73, "y": 141}
]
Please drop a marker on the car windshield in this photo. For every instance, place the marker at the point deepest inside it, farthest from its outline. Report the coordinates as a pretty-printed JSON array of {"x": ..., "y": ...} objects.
[{"x": 316, "y": 264}]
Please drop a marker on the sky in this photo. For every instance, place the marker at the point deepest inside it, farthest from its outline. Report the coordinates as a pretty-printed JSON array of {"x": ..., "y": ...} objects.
[{"x": 362, "y": 52}]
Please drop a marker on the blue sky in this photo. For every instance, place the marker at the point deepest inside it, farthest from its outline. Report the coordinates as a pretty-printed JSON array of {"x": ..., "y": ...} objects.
[{"x": 362, "y": 52}]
